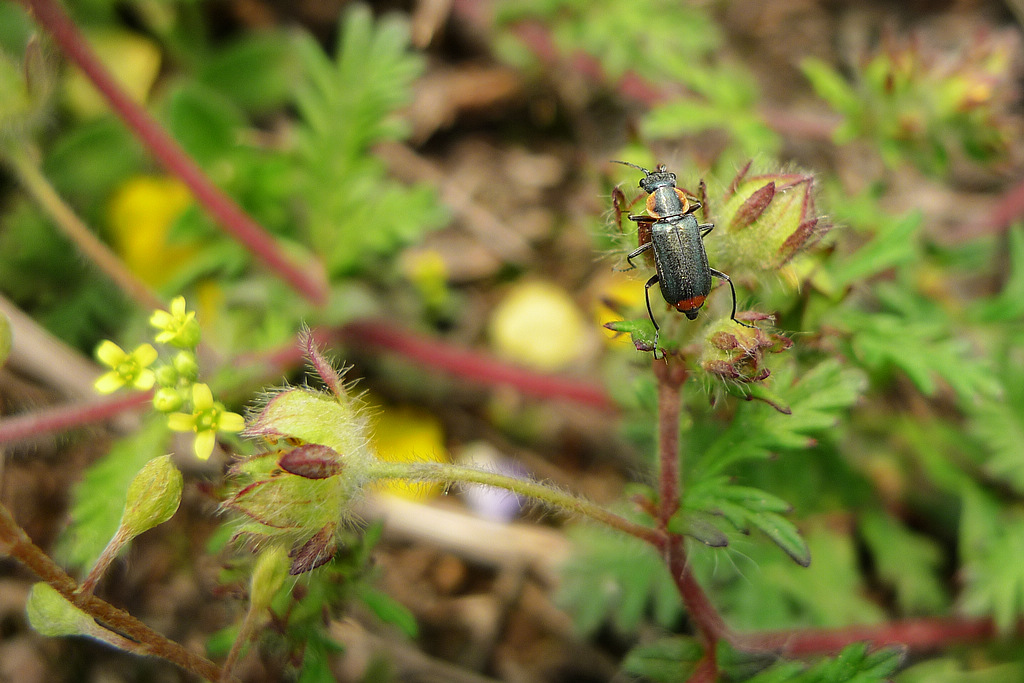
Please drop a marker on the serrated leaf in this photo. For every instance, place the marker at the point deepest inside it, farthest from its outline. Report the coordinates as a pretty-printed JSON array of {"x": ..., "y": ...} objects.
[
  {"x": 617, "y": 578},
  {"x": 784, "y": 534},
  {"x": 667, "y": 660},
  {"x": 907, "y": 561}
]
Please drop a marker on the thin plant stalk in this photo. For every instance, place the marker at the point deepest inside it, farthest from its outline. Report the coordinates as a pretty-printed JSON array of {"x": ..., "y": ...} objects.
[
  {"x": 74, "y": 228},
  {"x": 16, "y": 543}
]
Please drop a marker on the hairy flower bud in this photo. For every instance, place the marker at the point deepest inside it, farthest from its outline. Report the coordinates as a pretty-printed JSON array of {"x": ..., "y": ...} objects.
[
  {"x": 767, "y": 219},
  {"x": 737, "y": 353}
]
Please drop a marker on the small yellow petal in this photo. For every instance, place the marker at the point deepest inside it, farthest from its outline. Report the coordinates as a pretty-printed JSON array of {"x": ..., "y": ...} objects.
[
  {"x": 108, "y": 383},
  {"x": 181, "y": 422},
  {"x": 230, "y": 422},
  {"x": 160, "y": 319},
  {"x": 202, "y": 397},
  {"x": 109, "y": 353},
  {"x": 145, "y": 380},
  {"x": 144, "y": 354},
  {"x": 178, "y": 306},
  {"x": 203, "y": 445}
]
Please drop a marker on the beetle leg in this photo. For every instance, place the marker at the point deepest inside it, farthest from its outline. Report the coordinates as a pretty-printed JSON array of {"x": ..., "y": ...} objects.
[
  {"x": 636, "y": 252},
  {"x": 719, "y": 274},
  {"x": 705, "y": 229},
  {"x": 647, "y": 295}
]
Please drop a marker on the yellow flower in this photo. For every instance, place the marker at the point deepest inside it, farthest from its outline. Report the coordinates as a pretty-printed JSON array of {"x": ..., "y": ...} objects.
[
  {"x": 206, "y": 419},
  {"x": 126, "y": 369},
  {"x": 409, "y": 435},
  {"x": 177, "y": 327},
  {"x": 141, "y": 213}
]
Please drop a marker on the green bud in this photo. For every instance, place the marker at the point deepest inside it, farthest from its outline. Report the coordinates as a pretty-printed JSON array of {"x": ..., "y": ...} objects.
[
  {"x": 167, "y": 400},
  {"x": 268, "y": 575},
  {"x": 51, "y": 614},
  {"x": 186, "y": 365},
  {"x": 737, "y": 353},
  {"x": 166, "y": 376},
  {"x": 5, "y": 339},
  {"x": 767, "y": 219},
  {"x": 153, "y": 496}
]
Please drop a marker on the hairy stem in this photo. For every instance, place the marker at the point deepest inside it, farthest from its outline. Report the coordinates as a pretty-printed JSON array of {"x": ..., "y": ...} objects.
[
  {"x": 59, "y": 418},
  {"x": 16, "y": 543},
  {"x": 443, "y": 473}
]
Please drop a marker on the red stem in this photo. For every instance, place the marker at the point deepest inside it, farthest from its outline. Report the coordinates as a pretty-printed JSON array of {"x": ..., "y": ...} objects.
[
  {"x": 917, "y": 634},
  {"x": 473, "y": 366},
  {"x": 306, "y": 280},
  {"x": 61, "y": 418}
]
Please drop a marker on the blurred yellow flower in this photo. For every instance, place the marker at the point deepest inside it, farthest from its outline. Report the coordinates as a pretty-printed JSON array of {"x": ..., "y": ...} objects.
[
  {"x": 409, "y": 435},
  {"x": 140, "y": 214},
  {"x": 133, "y": 60},
  {"x": 539, "y": 325}
]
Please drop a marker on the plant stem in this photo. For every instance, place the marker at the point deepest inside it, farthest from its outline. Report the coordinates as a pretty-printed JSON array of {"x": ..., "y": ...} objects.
[
  {"x": 26, "y": 167},
  {"x": 443, "y": 473},
  {"x": 16, "y": 543},
  {"x": 306, "y": 279},
  {"x": 465, "y": 363},
  {"x": 26, "y": 426},
  {"x": 918, "y": 634},
  {"x": 671, "y": 375}
]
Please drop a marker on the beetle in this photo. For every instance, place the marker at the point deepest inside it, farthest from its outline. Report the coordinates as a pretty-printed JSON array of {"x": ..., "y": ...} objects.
[{"x": 683, "y": 273}]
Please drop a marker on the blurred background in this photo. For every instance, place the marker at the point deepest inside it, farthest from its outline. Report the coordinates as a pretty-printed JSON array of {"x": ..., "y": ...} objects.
[{"x": 437, "y": 175}]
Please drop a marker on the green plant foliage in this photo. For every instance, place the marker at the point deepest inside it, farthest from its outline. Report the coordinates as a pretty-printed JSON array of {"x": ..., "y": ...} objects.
[
  {"x": 855, "y": 664},
  {"x": 229, "y": 71},
  {"x": 816, "y": 400},
  {"x": 907, "y": 561},
  {"x": 948, "y": 670},
  {"x": 656, "y": 38},
  {"x": 919, "y": 107},
  {"x": 928, "y": 347},
  {"x": 667, "y": 660},
  {"x": 992, "y": 543},
  {"x": 98, "y": 499},
  {"x": 615, "y": 578},
  {"x": 765, "y": 590},
  {"x": 745, "y": 508},
  {"x": 354, "y": 213}
]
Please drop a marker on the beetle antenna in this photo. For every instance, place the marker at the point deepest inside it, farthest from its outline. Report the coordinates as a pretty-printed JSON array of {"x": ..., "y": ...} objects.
[{"x": 626, "y": 163}]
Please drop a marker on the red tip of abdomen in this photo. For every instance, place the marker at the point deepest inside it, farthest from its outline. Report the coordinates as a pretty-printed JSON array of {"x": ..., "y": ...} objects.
[{"x": 690, "y": 306}]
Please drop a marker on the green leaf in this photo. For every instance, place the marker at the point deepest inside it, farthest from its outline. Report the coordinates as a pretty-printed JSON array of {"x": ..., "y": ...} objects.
[
  {"x": 389, "y": 610},
  {"x": 230, "y": 70},
  {"x": 817, "y": 400},
  {"x": 853, "y": 665},
  {"x": 203, "y": 121},
  {"x": 698, "y": 525},
  {"x": 667, "y": 660},
  {"x": 830, "y": 86},
  {"x": 355, "y": 214},
  {"x": 907, "y": 561},
  {"x": 614, "y": 577},
  {"x": 784, "y": 534},
  {"x": 992, "y": 543},
  {"x": 894, "y": 244},
  {"x": 1009, "y": 304}
]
